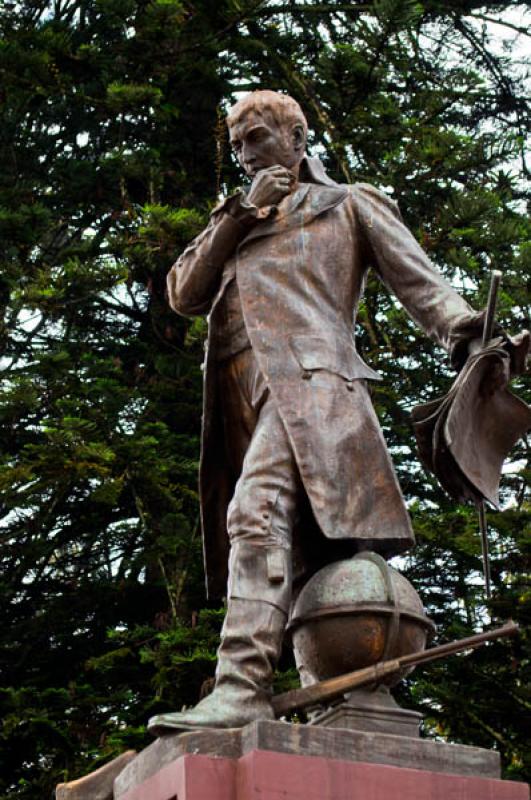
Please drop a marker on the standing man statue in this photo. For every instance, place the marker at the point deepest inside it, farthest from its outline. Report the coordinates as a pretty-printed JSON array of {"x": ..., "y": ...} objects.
[{"x": 294, "y": 470}]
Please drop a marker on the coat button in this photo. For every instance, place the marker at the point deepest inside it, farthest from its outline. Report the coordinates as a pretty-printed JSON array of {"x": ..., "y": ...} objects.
[
  {"x": 350, "y": 386},
  {"x": 307, "y": 375}
]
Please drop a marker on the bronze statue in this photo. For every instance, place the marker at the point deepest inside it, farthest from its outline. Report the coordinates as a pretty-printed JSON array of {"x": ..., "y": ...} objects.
[{"x": 294, "y": 469}]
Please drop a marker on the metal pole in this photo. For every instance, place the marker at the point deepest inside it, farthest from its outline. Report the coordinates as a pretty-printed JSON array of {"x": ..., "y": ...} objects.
[
  {"x": 488, "y": 327},
  {"x": 483, "y": 531}
]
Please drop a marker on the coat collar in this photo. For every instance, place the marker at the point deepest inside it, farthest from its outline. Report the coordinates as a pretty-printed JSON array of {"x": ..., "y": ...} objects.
[
  {"x": 313, "y": 171},
  {"x": 315, "y": 194}
]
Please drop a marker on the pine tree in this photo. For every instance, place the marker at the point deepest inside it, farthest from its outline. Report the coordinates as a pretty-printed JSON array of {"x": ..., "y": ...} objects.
[{"x": 113, "y": 152}]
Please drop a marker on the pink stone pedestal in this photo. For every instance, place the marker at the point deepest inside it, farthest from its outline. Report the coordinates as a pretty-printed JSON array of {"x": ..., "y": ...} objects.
[{"x": 266, "y": 775}]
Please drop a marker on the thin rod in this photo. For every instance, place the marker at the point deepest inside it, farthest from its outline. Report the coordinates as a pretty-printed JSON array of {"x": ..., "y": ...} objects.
[
  {"x": 483, "y": 530},
  {"x": 335, "y": 687},
  {"x": 488, "y": 328},
  {"x": 488, "y": 325}
]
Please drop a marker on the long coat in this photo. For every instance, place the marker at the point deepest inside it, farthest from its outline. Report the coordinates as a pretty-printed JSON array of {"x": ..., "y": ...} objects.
[{"x": 301, "y": 275}]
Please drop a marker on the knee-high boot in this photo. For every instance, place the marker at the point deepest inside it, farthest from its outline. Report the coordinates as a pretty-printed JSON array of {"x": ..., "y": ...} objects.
[{"x": 259, "y": 593}]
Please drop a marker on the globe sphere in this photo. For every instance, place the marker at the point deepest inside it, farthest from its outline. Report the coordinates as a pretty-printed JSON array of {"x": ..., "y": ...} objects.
[{"x": 354, "y": 614}]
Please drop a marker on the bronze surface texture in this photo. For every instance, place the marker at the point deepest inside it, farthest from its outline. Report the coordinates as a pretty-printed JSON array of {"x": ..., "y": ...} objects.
[{"x": 294, "y": 472}]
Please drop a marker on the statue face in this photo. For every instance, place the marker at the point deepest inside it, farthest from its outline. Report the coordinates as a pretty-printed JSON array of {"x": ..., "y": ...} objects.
[{"x": 259, "y": 142}]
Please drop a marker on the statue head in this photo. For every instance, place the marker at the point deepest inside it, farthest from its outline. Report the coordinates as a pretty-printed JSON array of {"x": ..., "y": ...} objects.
[{"x": 267, "y": 128}]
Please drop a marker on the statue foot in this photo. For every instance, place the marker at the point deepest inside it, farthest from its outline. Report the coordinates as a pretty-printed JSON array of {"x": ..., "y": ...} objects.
[
  {"x": 251, "y": 639},
  {"x": 221, "y": 709}
]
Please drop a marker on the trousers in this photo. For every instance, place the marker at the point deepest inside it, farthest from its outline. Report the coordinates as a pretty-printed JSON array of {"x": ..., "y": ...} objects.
[
  {"x": 269, "y": 507},
  {"x": 265, "y": 506}
]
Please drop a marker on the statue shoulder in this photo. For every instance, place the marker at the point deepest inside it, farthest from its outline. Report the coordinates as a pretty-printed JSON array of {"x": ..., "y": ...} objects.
[{"x": 368, "y": 197}]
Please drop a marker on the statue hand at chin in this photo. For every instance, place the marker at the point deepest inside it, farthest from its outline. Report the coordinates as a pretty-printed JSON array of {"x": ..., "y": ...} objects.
[{"x": 270, "y": 185}]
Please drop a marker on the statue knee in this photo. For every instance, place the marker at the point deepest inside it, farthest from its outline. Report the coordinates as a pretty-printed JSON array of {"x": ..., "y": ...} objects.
[
  {"x": 258, "y": 572},
  {"x": 264, "y": 518}
]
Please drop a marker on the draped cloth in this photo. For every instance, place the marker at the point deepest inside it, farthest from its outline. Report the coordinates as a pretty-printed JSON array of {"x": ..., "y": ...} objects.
[{"x": 464, "y": 437}]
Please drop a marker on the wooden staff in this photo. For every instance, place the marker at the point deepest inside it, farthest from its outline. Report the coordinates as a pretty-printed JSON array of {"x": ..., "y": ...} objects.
[{"x": 335, "y": 687}]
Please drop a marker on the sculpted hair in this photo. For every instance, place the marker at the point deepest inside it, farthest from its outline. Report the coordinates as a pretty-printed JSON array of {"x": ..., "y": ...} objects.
[{"x": 282, "y": 108}]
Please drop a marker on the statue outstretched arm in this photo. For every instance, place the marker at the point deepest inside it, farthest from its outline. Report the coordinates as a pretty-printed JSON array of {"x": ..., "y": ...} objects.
[{"x": 408, "y": 272}]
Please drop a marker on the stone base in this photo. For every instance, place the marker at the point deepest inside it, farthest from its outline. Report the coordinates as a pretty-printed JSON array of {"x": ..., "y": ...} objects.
[
  {"x": 266, "y": 775},
  {"x": 228, "y": 751},
  {"x": 371, "y": 710}
]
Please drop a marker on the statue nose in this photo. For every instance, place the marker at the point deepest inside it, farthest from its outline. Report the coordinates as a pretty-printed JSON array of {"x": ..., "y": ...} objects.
[
  {"x": 249, "y": 163},
  {"x": 249, "y": 157}
]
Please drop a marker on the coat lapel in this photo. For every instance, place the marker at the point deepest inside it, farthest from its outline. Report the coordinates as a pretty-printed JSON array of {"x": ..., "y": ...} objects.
[{"x": 306, "y": 203}]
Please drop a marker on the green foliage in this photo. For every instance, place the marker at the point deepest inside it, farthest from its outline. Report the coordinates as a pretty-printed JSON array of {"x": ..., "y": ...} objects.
[{"x": 113, "y": 151}]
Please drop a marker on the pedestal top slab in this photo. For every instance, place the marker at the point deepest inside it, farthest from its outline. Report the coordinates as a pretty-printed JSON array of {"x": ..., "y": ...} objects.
[{"x": 334, "y": 743}]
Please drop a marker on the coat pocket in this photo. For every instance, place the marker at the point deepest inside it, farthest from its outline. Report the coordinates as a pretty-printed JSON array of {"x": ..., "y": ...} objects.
[{"x": 333, "y": 355}]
